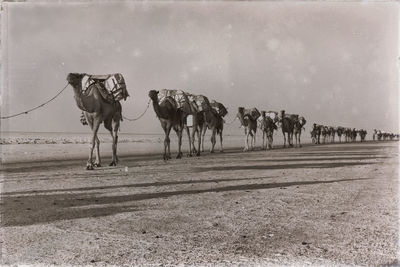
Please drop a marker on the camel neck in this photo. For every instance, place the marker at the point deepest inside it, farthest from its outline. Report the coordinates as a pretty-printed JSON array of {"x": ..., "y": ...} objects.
[
  {"x": 241, "y": 118},
  {"x": 157, "y": 108}
]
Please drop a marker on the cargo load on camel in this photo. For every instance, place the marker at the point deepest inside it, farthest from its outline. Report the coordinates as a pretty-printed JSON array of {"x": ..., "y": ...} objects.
[
  {"x": 201, "y": 102},
  {"x": 253, "y": 113},
  {"x": 220, "y": 108},
  {"x": 111, "y": 86},
  {"x": 179, "y": 97}
]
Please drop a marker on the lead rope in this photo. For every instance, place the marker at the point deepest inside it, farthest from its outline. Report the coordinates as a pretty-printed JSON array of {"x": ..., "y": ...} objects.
[
  {"x": 141, "y": 115},
  {"x": 32, "y": 109},
  {"x": 228, "y": 123}
]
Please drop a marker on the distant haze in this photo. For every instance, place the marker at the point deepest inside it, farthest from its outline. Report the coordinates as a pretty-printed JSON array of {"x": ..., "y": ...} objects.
[{"x": 334, "y": 63}]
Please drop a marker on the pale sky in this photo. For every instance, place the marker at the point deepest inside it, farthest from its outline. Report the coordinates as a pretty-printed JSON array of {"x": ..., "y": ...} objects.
[{"x": 334, "y": 63}]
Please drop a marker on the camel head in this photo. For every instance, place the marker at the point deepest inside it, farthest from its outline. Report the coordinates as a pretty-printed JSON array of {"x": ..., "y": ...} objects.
[
  {"x": 75, "y": 79},
  {"x": 153, "y": 94},
  {"x": 240, "y": 114}
]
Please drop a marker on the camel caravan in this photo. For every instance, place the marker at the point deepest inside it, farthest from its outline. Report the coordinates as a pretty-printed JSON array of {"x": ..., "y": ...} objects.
[
  {"x": 380, "y": 135},
  {"x": 99, "y": 96},
  {"x": 328, "y": 134}
]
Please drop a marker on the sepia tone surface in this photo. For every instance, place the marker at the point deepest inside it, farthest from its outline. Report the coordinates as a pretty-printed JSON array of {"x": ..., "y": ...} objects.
[{"x": 313, "y": 205}]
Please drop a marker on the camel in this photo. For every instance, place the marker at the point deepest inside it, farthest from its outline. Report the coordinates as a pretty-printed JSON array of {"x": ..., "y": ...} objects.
[
  {"x": 313, "y": 134},
  {"x": 248, "y": 119},
  {"x": 363, "y": 134},
  {"x": 298, "y": 126},
  {"x": 96, "y": 111},
  {"x": 379, "y": 135},
  {"x": 339, "y": 131},
  {"x": 347, "y": 133},
  {"x": 374, "y": 134},
  {"x": 287, "y": 123},
  {"x": 213, "y": 115},
  {"x": 191, "y": 108},
  {"x": 267, "y": 127},
  {"x": 316, "y": 133},
  {"x": 354, "y": 135},
  {"x": 170, "y": 116},
  {"x": 325, "y": 133},
  {"x": 332, "y": 132}
]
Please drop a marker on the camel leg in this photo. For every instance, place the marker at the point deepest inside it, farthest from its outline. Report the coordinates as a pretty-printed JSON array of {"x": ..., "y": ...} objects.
[
  {"x": 213, "y": 139},
  {"x": 95, "y": 128},
  {"x": 246, "y": 142},
  {"x": 202, "y": 137},
  {"x": 271, "y": 140},
  {"x": 194, "y": 132},
  {"x": 284, "y": 139},
  {"x": 299, "y": 140},
  {"x": 179, "y": 132},
  {"x": 190, "y": 141},
  {"x": 220, "y": 139},
  {"x": 263, "y": 141},
  {"x": 167, "y": 152},
  {"x": 253, "y": 143},
  {"x": 198, "y": 133},
  {"x": 290, "y": 139},
  {"x": 114, "y": 134},
  {"x": 97, "y": 163}
]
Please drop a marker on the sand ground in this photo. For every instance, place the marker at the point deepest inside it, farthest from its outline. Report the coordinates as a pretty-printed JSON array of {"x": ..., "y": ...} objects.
[{"x": 316, "y": 205}]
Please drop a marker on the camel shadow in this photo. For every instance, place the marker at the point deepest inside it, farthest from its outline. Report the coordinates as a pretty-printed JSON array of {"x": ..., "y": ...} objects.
[
  {"x": 281, "y": 166},
  {"x": 138, "y": 185},
  {"x": 36, "y": 209},
  {"x": 315, "y": 159}
]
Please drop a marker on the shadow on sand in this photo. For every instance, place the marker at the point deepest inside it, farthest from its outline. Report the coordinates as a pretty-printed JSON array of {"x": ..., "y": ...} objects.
[
  {"x": 35, "y": 209},
  {"x": 281, "y": 166}
]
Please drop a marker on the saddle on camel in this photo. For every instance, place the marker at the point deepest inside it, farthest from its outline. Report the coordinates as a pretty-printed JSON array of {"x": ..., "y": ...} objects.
[{"x": 112, "y": 88}]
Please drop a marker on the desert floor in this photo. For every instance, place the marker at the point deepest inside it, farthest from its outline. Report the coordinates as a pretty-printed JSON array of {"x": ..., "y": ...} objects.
[{"x": 316, "y": 205}]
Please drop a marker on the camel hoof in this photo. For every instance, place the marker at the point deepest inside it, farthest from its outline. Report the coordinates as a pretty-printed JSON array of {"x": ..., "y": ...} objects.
[
  {"x": 198, "y": 154},
  {"x": 211, "y": 151},
  {"x": 97, "y": 165},
  {"x": 189, "y": 155},
  {"x": 113, "y": 163},
  {"x": 221, "y": 151},
  {"x": 89, "y": 167},
  {"x": 179, "y": 156}
]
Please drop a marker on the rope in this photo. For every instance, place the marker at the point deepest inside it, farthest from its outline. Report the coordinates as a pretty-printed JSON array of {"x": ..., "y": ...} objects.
[
  {"x": 141, "y": 115},
  {"x": 231, "y": 121},
  {"x": 32, "y": 109}
]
